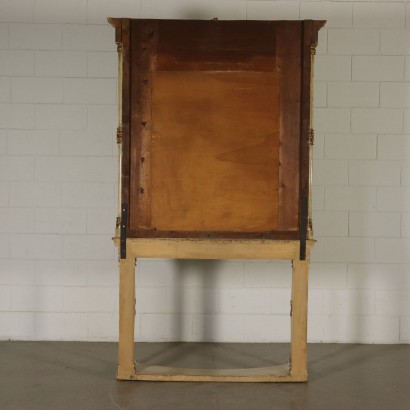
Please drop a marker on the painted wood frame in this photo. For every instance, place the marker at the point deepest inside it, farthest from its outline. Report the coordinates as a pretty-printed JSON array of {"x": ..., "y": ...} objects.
[
  {"x": 291, "y": 235},
  {"x": 294, "y": 371}
]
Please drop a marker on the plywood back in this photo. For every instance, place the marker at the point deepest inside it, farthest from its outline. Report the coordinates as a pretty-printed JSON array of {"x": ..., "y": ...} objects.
[{"x": 214, "y": 151}]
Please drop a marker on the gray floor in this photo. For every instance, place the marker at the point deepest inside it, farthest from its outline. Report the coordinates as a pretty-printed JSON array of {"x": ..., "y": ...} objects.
[{"x": 62, "y": 375}]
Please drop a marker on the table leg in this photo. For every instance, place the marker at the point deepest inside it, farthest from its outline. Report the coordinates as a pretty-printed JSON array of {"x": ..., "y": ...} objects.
[
  {"x": 298, "y": 363},
  {"x": 126, "y": 353}
]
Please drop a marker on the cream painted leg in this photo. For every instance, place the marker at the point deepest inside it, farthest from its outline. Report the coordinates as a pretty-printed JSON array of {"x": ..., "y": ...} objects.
[
  {"x": 126, "y": 354},
  {"x": 298, "y": 364}
]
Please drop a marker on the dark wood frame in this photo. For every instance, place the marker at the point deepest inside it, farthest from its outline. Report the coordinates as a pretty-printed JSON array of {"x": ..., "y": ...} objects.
[{"x": 138, "y": 90}]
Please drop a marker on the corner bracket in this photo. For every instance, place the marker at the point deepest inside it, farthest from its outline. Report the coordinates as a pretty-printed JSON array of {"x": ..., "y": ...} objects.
[{"x": 313, "y": 49}]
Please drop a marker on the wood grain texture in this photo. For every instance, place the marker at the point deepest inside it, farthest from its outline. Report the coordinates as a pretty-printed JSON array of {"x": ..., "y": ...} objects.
[
  {"x": 126, "y": 111},
  {"x": 143, "y": 46},
  {"x": 288, "y": 40},
  {"x": 215, "y": 151},
  {"x": 310, "y": 30},
  {"x": 263, "y": 374},
  {"x": 126, "y": 351},
  {"x": 271, "y": 235},
  {"x": 298, "y": 354},
  {"x": 175, "y": 89},
  {"x": 213, "y": 248},
  {"x": 279, "y": 373},
  {"x": 271, "y": 374},
  {"x": 216, "y": 45}
]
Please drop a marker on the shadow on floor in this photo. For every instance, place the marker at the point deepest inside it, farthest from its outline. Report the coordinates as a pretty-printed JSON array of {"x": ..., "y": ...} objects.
[{"x": 74, "y": 375}]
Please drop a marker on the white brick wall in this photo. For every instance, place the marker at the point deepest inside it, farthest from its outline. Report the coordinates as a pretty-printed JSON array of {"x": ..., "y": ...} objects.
[
  {"x": 377, "y": 68},
  {"x": 58, "y": 269},
  {"x": 349, "y": 94},
  {"x": 338, "y": 15},
  {"x": 60, "y": 63},
  {"x": 377, "y": 120},
  {"x": 272, "y": 10},
  {"x": 379, "y": 15},
  {"x": 32, "y": 142},
  {"x": 353, "y": 42}
]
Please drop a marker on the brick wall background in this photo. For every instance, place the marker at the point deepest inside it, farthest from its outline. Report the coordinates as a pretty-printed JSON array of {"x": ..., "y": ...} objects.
[{"x": 58, "y": 269}]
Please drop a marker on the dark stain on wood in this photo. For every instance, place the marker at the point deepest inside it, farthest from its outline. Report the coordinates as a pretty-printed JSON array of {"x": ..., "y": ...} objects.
[{"x": 215, "y": 115}]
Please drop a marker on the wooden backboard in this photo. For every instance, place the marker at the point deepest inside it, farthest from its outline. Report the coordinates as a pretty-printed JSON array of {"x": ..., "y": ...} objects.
[{"x": 215, "y": 118}]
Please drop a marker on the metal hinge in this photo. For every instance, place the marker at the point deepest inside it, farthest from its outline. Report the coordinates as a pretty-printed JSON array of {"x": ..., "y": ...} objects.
[
  {"x": 123, "y": 231},
  {"x": 119, "y": 135},
  {"x": 304, "y": 210},
  {"x": 311, "y": 136}
]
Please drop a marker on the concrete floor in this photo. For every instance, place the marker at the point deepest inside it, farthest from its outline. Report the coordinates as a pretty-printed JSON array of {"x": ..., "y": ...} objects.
[{"x": 73, "y": 375}]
